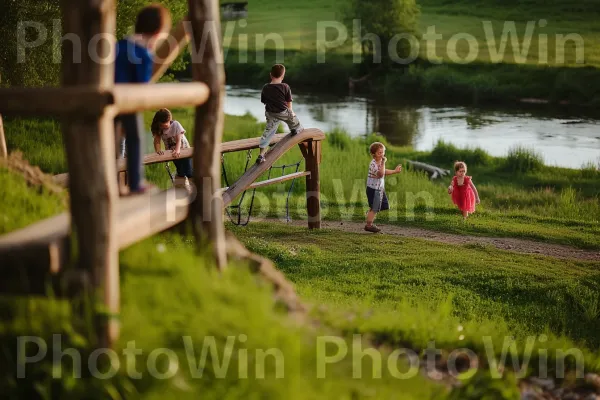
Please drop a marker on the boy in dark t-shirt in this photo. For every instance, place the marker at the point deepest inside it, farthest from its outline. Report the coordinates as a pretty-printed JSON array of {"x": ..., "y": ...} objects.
[{"x": 277, "y": 98}]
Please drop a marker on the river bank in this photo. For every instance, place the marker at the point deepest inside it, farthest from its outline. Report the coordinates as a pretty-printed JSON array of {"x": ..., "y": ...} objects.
[{"x": 473, "y": 84}]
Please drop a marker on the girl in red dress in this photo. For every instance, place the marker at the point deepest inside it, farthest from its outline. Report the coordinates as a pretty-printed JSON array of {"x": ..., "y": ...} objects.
[{"x": 463, "y": 191}]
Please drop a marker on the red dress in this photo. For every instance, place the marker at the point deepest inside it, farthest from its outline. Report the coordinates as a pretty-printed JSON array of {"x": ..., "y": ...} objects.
[{"x": 462, "y": 195}]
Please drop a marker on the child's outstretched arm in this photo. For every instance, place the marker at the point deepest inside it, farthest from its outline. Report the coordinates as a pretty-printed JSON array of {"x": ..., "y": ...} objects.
[
  {"x": 396, "y": 170},
  {"x": 157, "y": 146},
  {"x": 451, "y": 188},
  {"x": 475, "y": 191}
]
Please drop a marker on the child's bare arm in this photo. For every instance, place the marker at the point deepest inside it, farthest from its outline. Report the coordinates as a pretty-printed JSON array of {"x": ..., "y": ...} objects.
[
  {"x": 157, "y": 146},
  {"x": 177, "y": 149},
  {"x": 396, "y": 170},
  {"x": 450, "y": 188},
  {"x": 475, "y": 191},
  {"x": 381, "y": 169}
]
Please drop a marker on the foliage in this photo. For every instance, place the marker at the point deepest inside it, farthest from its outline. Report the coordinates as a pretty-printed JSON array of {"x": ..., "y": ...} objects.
[
  {"x": 41, "y": 66},
  {"x": 29, "y": 21},
  {"x": 522, "y": 159},
  {"x": 384, "y": 19},
  {"x": 446, "y": 154}
]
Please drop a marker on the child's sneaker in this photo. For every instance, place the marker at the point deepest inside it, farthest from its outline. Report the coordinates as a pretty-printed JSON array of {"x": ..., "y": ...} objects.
[
  {"x": 372, "y": 228},
  {"x": 260, "y": 159}
]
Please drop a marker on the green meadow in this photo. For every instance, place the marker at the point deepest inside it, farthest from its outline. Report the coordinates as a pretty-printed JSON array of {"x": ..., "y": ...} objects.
[{"x": 297, "y": 26}]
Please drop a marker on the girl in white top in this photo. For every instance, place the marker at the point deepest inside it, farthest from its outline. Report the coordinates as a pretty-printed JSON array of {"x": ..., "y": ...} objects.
[{"x": 172, "y": 135}]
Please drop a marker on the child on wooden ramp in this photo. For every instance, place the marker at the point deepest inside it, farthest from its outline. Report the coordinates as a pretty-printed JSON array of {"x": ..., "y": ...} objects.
[
  {"x": 376, "y": 186},
  {"x": 133, "y": 64},
  {"x": 463, "y": 191},
  {"x": 172, "y": 135},
  {"x": 277, "y": 98}
]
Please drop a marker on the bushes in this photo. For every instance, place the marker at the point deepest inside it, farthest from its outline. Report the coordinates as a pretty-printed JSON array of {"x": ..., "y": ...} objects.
[
  {"x": 522, "y": 160},
  {"x": 446, "y": 153}
]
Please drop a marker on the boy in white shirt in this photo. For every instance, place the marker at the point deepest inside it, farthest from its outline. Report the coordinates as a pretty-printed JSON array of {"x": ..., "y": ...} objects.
[{"x": 376, "y": 185}]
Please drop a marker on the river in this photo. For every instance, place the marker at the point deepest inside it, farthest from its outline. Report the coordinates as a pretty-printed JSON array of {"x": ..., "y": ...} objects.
[{"x": 562, "y": 139}]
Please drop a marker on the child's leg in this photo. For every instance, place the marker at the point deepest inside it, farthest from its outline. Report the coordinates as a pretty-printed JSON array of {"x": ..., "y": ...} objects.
[
  {"x": 134, "y": 144},
  {"x": 184, "y": 168},
  {"x": 465, "y": 214},
  {"x": 371, "y": 217},
  {"x": 293, "y": 123},
  {"x": 270, "y": 130}
]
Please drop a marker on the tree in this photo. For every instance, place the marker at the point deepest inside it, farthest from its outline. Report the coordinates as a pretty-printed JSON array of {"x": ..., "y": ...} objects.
[{"x": 382, "y": 27}]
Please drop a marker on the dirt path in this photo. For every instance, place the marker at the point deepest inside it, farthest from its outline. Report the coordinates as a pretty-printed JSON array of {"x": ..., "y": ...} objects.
[{"x": 510, "y": 244}]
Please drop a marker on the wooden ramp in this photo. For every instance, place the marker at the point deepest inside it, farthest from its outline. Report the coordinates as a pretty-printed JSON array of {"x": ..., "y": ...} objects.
[{"x": 275, "y": 153}]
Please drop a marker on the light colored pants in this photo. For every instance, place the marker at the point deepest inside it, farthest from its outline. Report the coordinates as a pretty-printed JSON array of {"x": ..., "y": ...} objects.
[{"x": 273, "y": 120}]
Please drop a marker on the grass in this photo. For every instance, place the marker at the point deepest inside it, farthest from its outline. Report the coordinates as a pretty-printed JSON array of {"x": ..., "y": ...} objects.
[
  {"x": 175, "y": 304},
  {"x": 28, "y": 204},
  {"x": 525, "y": 294}
]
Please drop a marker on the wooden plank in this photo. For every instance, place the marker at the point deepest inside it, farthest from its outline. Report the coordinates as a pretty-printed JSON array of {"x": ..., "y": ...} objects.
[
  {"x": 88, "y": 100},
  {"x": 274, "y": 154},
  {"x": 273, "y": 181},
  {"x": 169, "y": 49},
  {"x": 3, "y": 149},
  {"x": 31, "y": 257},
  {"x": 206, "y": 212},
  {"x": 90, "y": 150},
  {"x": 143, "y": 216},
  {"x": 227, "y": 147},
  {"x": 130, "y": 98}
]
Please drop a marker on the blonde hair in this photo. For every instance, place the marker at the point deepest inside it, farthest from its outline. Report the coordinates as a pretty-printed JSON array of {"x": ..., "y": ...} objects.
[
  {"x": 374, "y": 148},
  {"x": 460, "y": 164}
]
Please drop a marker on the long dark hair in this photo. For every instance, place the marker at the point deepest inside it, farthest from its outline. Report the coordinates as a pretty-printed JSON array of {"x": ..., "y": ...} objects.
[{"x": 163, "y": 115}]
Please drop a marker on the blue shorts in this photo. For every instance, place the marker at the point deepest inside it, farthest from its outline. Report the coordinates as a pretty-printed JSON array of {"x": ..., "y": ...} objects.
[{"x": 377, "y": 199}]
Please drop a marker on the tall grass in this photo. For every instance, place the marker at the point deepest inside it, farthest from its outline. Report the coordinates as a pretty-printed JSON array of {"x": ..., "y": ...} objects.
[{"x": 522, "y": 160}]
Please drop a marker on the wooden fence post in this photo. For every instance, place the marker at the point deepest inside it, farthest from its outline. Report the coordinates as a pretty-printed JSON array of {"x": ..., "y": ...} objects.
[
  {"x": 206, "y": 211},
  {"x": 3, "y": 149},
  {"x": 313, "y": 184},
  {"x": 90, "y": 149}
]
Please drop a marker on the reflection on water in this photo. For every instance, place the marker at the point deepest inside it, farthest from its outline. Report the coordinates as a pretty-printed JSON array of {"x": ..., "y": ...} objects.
[{"x": 561, "y": 139}]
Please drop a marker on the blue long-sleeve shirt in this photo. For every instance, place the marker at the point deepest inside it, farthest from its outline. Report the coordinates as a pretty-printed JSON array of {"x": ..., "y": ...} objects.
[{"x": 133, "y": 63}]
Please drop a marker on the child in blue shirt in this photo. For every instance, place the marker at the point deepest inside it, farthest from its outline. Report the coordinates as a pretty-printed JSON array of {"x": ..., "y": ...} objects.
[{"x": 134, "y": 64}]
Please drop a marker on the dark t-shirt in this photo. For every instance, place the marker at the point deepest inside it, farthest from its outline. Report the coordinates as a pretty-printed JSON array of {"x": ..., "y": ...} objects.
[{"x": 275, "y": 97}]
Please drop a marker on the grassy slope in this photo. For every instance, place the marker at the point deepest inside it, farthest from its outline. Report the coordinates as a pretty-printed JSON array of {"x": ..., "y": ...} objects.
[
  {"x": 297, "y": 25},
  {"x": 23, "y": 204}
]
